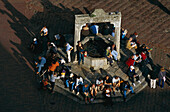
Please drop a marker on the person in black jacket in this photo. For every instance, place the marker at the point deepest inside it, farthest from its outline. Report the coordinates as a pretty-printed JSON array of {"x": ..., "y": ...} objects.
[
  {"x": 126, "y": 87},
  {"x": 153, "y": 77},
  {"x": 132, "y": 75}
]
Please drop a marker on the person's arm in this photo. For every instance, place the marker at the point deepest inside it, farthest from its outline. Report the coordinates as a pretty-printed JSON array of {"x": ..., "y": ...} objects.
[{"x": 71, "y": 48}]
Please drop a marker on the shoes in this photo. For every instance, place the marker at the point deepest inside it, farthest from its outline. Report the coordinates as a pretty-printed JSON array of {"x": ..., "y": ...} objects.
[
  {"x": 72, "y": 91},
  {"x": 77, "y": 93},
  {"x": 139, "y": 81},
  {"x": 134, "y": 84}
]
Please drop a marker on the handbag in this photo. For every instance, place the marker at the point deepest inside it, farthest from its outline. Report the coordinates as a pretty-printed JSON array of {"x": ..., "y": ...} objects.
[{"x": 164, "y": 78}]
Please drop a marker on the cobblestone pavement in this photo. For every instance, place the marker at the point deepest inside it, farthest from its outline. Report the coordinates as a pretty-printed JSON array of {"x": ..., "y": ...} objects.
[{"x": 19, "y": 90}]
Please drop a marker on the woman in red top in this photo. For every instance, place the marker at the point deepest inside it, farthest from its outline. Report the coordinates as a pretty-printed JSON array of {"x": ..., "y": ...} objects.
[{"x": 130, "y": 61}]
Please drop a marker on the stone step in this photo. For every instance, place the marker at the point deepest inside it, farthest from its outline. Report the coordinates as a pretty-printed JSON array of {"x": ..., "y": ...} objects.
[
  {"x": 137, "y": 90},
  {"x": 141, "y": 78},
  {"x": 61, "y": 53},
  {"x": 62, "y": 86},
  {"x": 69, "y": 94}
]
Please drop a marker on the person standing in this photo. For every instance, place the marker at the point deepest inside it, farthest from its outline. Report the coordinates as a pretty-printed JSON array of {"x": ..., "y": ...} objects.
[
  {"x": 80, "y": 53},
  {"x": 41, "y": 64},
  {"x": 153, "y": 77},
  {"x": 52, "y": 81},
  {"x": 162, "y": 77},
  {"x": 68, "y": 50}
]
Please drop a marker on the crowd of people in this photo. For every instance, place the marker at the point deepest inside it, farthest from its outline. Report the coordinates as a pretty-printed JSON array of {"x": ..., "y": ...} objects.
[{"x": 49, "y": 66}]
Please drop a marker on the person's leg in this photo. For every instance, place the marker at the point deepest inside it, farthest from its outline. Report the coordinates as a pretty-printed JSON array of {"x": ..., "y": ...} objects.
[
  {"x": 79, "y": 58},
  {"x": 132, "y": 79},
  {"x": 154, "y": 83},
  {"x": 159, "y": 82},
  {"x": 72, "y": 86},
  {"x": 114, "y": 55},
  {"x": 82, "y": 55},
  {"x": 137, "y": 78},
  {"x": 162, "y": 83},
  {"x": 67, "y": 84},
  {"x": 39, "y": 68},
  {"x": 151, "y": 83},
  {"x": 52, "y": 86},
  {"x": 78, "y": 88},
  {"x": 124, "y": 94},
  {"x": 131, "y": 89},
  {"x": 69, "y": 58}
]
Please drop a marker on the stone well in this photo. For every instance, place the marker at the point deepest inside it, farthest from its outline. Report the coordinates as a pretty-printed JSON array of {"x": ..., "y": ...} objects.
[{"x": 96, "y": 46}]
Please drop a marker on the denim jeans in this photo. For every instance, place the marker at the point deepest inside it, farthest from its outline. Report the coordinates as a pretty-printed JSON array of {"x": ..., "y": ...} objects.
[
  {"x": 162, "y": 82},
  {"x": 72, "y": 85},
  {"x": 81, "y": 56},
  {"x": 39, "y": 67},
  {"x": 114, "y": 54},
  {"x": 124, "y": 93},
  {"x": 78, "y": 87}
]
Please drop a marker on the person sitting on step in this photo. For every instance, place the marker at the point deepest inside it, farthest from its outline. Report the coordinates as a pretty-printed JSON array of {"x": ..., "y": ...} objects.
[
  {"x": 131, "y": 44},
  {"x": 71, "y": 81},
  {"x": 132, "y": 75},
  {"x": 116, "y": 83},
  {"x": 79, "y": 83},
  {"x": 86, "y": 93},
  {"x": 108, "y": 81},
  {"x": 93, "y": 91},
  {"x": 100, "y": 84},
  {"x": 108, "y": 55},
  {"x": 126, "y": 87}
]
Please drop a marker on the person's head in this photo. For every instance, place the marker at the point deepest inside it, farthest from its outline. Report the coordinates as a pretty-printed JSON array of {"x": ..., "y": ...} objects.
[
  {"x": 86, "y": 85},
  {"x": 107, "y": 77},
  {"x": 86, "y": 24},
  {"x": 39, "y": 57},
  {"x": 93, "y": 85},
  {"x": 66, "y": 44},
  {"x": 130, "y": 39},
  {"x": 100, "y": 79},
  {"x": 55, "y": 73},
  {"x": 143, "y": 45},
  {"x": 137, "y": 54},
  {"x": 116, "y": 77},
  {"x": 79, "y": 43},
  {"x": 35, "y": 39},
  {"x": 132, "y": 56},
  {"x": 136, "y": 34},
  {"x": 71, "y": 75},
  {"x": 78, "y": 77},
  {"x": 108, "y": 48},
  {"x": 132, "y": 67}
]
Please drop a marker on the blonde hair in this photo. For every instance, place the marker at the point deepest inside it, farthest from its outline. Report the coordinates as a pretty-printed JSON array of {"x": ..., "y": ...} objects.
[{"x": 162, "y": 69}]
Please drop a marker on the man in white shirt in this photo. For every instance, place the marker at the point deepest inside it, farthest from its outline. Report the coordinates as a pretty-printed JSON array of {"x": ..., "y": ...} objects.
[
  {"x": 44, "y": 31},
  {"x": 116, "y": 83},
  {"x": 79, "y": 82},
  {"x": 99, "y": 84},
  {"x": 52, "y": 81}
]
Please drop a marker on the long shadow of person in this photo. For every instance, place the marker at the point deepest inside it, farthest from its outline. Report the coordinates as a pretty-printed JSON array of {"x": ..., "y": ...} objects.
[{"x": 159, "y": 4}]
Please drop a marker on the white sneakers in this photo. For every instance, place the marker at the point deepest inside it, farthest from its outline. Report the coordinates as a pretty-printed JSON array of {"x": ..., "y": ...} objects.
[
  {"x": 134, "y": 84},
  {"x": 139, "y": 81},
  {"x": 77, "y": 93}
]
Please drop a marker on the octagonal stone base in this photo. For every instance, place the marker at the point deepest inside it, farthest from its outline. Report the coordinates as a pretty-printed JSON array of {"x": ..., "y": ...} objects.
[{"x": 95, "y": 63}]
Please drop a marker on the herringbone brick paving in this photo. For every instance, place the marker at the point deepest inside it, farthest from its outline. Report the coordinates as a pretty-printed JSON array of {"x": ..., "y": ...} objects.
[{"x": 18, "y": 18}]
